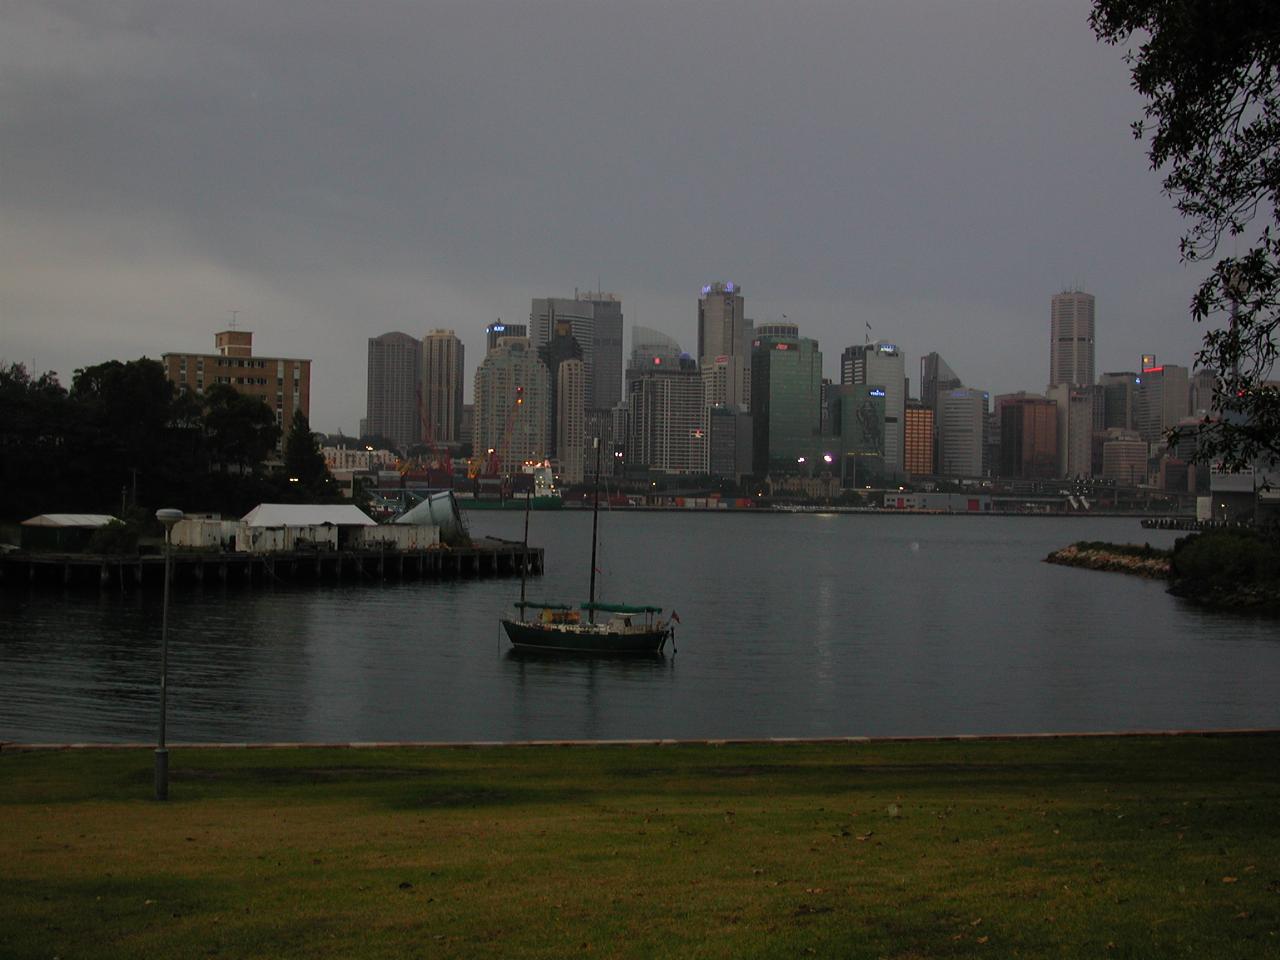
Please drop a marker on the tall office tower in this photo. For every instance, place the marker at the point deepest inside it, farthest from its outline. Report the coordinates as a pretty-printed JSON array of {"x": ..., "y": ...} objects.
[
  {"x": 917, "y": 439},
  {"x": 786, "y": 404},
  {"x": 717, "y": 382},
  {"x": 1075, "y": 429},
  {"x": 496, "y": 331},
  {"x": 513, "y": 402},
  {"x": 1204, "y": 384},
  {"x": 667, "y": 419},
  {"x": 881, "y": 363},
  {"x": 1164, "y": 397},
  {"x": 570, "y": 393},
  {"x": 650, "y": 348},
  {"x": 728, "y": 442},
  {"x": 1119, "y": 400},
  {"x": 1028, "y": 437},
  {"x": 1071, "y": 338},
  {"x": 777, "y": 328},
  {"x": 935, "y": 378},
  {"x": 961, "y": 413},
  {"x": 562, "y": 346},
  {"x": 395, "y": 366},
  {"x": 442, "y": 373},
  {"x": 596, "y": 322},
  {"x": 857, "y": 422},
  {"x": 724, "y": 330},
  {"x": 283, "y": 384}
]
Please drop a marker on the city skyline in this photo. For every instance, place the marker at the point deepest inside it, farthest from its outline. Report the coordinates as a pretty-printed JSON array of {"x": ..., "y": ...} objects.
[{"x": 935, "y": 172}]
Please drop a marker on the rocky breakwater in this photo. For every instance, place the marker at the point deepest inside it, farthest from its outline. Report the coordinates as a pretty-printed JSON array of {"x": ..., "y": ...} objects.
[
  {"x": 1231, "y": 569},
  {"x": 1142, "y": 561}
]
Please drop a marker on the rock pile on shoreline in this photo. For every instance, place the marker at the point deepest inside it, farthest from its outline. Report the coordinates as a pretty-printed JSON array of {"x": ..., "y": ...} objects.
[{"x": 1152, "y": 564}]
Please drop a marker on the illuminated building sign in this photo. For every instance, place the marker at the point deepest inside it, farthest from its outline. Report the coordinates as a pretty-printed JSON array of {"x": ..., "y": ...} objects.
[
  {"x": 875, "y": 393},
  {"x": 1159, "y": 369},
  {"x": 498, "y": 327},
  {"x": 782, "y": 346},
  {"x": 888, "y": 348}
]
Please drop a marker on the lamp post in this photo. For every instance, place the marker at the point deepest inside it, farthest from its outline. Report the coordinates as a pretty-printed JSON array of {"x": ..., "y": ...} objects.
[{"x": 168, "y": 517}]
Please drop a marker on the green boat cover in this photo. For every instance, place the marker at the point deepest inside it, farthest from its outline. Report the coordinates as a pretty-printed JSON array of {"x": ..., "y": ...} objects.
[
  {"x": 620, "y": 608},
  {"x": 522, "y": 604}
]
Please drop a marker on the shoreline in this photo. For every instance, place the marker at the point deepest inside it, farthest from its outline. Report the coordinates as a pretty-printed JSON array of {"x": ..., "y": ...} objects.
[{"x": 8, "y": 746}]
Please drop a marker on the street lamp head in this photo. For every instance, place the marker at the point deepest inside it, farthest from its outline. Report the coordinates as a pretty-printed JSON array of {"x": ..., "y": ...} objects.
[{"x": 169, "y": 516}]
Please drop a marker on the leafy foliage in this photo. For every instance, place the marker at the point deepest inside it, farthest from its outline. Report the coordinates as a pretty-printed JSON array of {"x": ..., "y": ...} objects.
[
  {"x": 1210, "y": 72},
  {"x": 122, "y": 436},
  {"x": 1228, "y": 559},
  {"x": 304, "y": 465}
]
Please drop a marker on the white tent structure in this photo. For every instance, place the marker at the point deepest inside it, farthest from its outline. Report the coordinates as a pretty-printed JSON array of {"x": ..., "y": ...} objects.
[
  {"x": 273, "y": 527},
  {"x": 62, "y": 531},
  {"x": 307, "y": 515},
  {"x": 64, "y": 520}
]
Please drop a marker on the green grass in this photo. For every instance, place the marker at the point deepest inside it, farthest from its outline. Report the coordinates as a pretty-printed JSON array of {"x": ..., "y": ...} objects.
[{"x": 1115, "y": 847}]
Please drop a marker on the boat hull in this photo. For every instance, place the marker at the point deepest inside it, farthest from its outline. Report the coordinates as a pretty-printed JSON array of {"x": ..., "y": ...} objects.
[{"x": 530, "y": 636}]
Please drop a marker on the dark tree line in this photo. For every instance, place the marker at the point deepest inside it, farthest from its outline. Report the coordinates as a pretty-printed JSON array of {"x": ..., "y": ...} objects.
[{"x": 122, "y": 438}]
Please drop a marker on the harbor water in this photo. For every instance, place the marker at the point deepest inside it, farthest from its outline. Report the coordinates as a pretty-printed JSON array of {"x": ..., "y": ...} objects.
[{"x": 790, "y": 626}]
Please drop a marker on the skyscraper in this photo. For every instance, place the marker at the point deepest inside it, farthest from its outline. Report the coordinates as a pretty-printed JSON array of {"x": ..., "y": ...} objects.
[
  {"x": 391, "y": 396},
  {"x": 667, "y": 419},
  {"x": 786, "y": 407},
  {"x": 561, "y": 347},
  {"x": 596, "y": 322},
  {"x": 881, "y": 363},
  {"x": 1075, "y": 428},
  {"x": 724, "y": 331},
  {"x": 1071, "y": 345},
  {"x": 496, "y": 331},
  {"x": 935, "y": 378},
  {"x": 650, "y": 348},
  {"x": 917, "y": 439},
  {"x": 1028, "y": 437},
  {"x": 1164, "y": 398},
  {"x": 961, "y": 415},
  {"x": 512, "y": 405},
  {"x": 442, "y": 373},
  {"x": 571, "y": 384},
  {"x": 1119, "y": 400}
]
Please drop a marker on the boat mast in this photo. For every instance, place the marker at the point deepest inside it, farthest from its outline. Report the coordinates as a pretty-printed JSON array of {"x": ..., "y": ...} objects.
[
  {"x": 524, "y": 557},
  {"x": 595, "y": 521}
]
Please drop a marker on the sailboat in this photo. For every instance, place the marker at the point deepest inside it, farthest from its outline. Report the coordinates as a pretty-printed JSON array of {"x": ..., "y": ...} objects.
[{"x": 617, "y": 629}]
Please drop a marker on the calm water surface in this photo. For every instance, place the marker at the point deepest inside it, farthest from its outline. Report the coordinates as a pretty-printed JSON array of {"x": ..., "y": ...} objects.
[{"x": 792, "y": 626}]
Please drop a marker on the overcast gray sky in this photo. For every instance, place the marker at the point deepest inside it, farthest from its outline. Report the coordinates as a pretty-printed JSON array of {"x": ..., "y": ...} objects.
[{"x": 336, "y": 170}]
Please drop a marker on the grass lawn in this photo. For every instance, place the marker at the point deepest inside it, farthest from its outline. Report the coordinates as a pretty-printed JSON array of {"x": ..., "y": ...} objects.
[{"x": 1113, "y": 847}]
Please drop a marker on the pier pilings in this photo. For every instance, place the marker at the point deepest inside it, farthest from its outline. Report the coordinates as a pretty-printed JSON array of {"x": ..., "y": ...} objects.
[{"x": 486, "y": 558}]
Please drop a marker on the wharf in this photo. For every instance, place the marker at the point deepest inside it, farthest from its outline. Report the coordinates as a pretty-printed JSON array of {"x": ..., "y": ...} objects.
[{"x": 487, "y": 557}]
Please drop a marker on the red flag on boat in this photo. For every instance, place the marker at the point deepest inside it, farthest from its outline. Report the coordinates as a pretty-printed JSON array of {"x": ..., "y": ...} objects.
[{"x": 675, "y": 617}]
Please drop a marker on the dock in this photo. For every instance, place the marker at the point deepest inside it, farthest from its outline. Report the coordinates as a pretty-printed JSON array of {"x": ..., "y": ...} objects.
[{"x": 488, "y": 557}]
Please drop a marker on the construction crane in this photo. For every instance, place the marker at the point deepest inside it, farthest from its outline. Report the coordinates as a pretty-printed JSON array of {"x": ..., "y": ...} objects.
[{"x": 439, "y": 462}]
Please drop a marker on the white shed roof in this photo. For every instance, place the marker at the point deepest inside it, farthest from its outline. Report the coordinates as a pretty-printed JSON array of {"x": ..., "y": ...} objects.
[
  {"x": 307, "y": 515},
  {"x": 90, "y": 520}
]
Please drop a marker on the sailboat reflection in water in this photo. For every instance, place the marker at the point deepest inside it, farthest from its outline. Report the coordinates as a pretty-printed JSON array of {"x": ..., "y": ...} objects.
[{"x": 621, "y": 630}]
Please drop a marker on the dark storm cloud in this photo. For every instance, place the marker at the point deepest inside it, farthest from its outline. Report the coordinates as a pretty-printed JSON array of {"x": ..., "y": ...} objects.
[{"x": 336, "y": 170}]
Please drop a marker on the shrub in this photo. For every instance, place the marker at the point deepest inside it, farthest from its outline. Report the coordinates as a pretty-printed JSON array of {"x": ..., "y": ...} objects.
[{"x": 115, "y": 537}]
